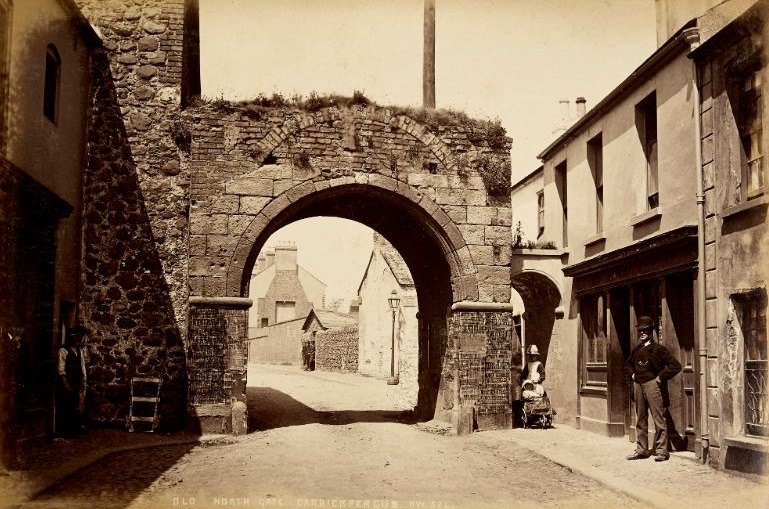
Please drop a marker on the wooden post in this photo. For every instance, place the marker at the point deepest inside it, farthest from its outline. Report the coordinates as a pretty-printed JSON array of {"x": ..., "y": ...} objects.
[{"x": 428, "y": 75}]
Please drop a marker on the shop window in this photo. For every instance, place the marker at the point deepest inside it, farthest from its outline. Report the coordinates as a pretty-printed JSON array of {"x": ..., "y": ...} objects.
[
  {"x": 595, "y": 160},
  {"x": 594, "y": 341},
  {"x": 751, "y": 314},
  {"x": 52, "y": 85},
  {"x": 646, "y": 124},
  {"x": 744, "y": 91}
]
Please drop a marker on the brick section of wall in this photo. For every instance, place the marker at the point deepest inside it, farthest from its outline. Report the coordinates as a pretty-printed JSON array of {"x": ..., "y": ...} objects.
[
  {"x": 135, "y": 208},
  {"x": 337, "y": 349},
  {"x": 480, "y": 351}
]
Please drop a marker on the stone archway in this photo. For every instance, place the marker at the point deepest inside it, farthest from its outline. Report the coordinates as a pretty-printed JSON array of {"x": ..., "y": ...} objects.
[{"x": 252, "y": 173}]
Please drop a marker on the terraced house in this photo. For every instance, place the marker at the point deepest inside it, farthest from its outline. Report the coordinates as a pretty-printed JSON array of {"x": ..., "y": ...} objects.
[{"x": 655, "y": 201}]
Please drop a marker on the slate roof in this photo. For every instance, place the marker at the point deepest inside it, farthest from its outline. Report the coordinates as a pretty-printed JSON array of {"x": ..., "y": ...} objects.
[{"x": 329, "y": 319}]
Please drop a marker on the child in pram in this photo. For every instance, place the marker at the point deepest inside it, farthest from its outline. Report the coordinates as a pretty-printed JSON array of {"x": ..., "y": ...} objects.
[{"x": 536, "y": 404}]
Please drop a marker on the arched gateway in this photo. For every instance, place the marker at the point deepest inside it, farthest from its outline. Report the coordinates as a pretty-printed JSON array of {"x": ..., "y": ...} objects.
[
  {"x": 429, "y": 190},
  {"x": 179, "y": 197}
]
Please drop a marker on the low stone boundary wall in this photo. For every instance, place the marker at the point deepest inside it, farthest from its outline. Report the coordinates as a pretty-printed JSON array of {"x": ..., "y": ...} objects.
[{"x": 337, "y": 349}]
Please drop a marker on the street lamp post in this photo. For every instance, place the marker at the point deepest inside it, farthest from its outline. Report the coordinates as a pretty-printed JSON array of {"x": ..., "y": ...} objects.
[{"x": 394, "y": 301}]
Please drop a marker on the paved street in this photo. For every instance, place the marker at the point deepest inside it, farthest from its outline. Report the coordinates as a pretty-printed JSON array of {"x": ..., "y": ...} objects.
[{"x": 329, "y": 440}]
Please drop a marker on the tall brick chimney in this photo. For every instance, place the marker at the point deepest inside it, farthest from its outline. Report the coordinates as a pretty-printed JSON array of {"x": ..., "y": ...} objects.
[
  {"x": 285, "y": 258},
  {"x": 581, "y": 107}
]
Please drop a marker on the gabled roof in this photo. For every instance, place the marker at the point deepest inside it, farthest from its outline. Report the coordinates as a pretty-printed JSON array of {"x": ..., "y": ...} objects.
[
  {"x": 394, "y": 262},
  {"x": 329, "y": 319}
]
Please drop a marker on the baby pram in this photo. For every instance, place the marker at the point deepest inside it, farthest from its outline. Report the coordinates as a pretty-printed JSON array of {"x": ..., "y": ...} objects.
[{"x": 537, "y": 410}]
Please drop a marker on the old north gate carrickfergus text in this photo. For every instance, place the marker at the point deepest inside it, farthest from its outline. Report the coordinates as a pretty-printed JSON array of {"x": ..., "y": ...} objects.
[{"x": 178, "y": 201}]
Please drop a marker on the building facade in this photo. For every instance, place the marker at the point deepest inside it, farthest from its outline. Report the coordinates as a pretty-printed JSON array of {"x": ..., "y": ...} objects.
[
  {"x": 45, "y": 52},
  {"x": 732, "y": 73},
  {"x": 281, "y": 289},
  {"x": 619, "y": 206},
  {"x": 386, "y": 345}
]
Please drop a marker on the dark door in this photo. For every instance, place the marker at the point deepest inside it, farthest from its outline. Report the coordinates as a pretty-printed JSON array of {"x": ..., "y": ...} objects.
[{"x": 678, "y": 336}]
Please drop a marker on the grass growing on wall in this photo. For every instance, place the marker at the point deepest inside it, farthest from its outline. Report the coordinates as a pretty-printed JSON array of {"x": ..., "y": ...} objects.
[{"x": 489, "y": 137}]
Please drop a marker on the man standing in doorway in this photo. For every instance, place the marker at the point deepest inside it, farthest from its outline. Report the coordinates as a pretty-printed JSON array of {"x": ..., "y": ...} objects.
[
  {"x": 70, "y": 391},
  {"x": 653, "y": 365}
]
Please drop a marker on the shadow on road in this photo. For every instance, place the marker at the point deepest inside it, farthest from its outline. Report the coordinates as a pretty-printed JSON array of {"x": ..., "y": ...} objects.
[
  {"x": 115, "y": 481},
  {"x": 269, "y": 409}
]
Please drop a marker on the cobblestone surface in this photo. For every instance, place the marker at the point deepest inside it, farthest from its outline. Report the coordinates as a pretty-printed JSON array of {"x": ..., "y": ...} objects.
[{"x": 334, "y": 451}]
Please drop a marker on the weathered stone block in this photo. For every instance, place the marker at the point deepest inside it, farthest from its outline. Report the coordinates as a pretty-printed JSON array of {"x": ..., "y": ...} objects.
[
  {"x": 220, "y": 246},
  {"x": 252, "y": 186},
  {"x": 481, "y": 215},
  {"x": 384, "y": 182},
  {"x": 711, "y": 223},
  {"x": 445, "y": 196},
  {"x": 710, "y": 256},
  {"x": 427, "y": 180},
  {"x": 707, "y": 149},
  {"x": 226, "y": 204},
  {"x": 275, "y": 171},
  {"x": 473, "y": 181},
  {"x": 493, "y": 275},
  {"x": 199, "y": 265},
  {"x": 707, "y": 123},
  {"x": 708, "y": 175},
  {"x": 465, "y": 288},
  {"x": 457, "y": 213},
  {"x": 501, "y": 293},
  {"x": 711, "y": 337},
  {"x": 472, "y": 233},
  {"x": 711, "y": 313},
  {"x": 296, "y": 193},
  {"x": 498, "y": 235},
  {"x": 197, "y": 244},
  {"x": 710, "y": 284}
]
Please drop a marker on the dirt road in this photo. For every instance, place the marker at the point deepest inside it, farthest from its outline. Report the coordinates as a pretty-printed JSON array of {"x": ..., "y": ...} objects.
[{"x": 325, "y": 440}]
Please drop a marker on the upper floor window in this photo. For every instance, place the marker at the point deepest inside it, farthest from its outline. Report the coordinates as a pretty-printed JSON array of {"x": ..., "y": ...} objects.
[
  {"x": 646, "y": 123},
  {"x": 560, "y": 185},
  {"x": 595, "y": 160},
  {"x": 52, "y": 83},
  {"x": 540, "y": 213},
  {"x": 745, "y": 95}
]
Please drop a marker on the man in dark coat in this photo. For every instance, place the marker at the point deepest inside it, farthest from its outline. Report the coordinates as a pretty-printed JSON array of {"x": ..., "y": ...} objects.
[
  {"x": 653, "y": 365},
  {"x": 70, "y": 385}
]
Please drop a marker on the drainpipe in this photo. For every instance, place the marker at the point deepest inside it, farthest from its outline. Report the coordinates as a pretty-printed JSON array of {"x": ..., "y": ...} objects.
[{"x": 692, "y": 37}]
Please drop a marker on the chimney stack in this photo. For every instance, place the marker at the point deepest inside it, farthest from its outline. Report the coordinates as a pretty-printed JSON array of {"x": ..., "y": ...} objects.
[
  {"x": 270, "y": 258},
  {"x": 355, "y": 307},
  {"x": 285, "y": 257},
  {"x": 581, "y": 107},
  {"x": 563, "y": 123}
]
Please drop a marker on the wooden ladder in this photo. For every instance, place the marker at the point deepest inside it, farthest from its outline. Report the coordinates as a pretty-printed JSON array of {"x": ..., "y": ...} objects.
[{"x": 145, "y": 391}]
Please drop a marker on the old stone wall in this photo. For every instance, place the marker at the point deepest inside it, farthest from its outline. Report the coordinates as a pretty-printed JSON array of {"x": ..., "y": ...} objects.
[
  {"x": 134, "y": 288},
  {"x": 480, "y": 351},
  {"x": 245, "y": 158},
  {"x": 336, "y": 349}
]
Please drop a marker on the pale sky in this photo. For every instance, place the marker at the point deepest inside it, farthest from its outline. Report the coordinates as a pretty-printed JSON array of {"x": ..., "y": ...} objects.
[{"x": 507, "y": 59}]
